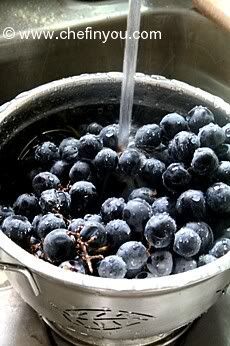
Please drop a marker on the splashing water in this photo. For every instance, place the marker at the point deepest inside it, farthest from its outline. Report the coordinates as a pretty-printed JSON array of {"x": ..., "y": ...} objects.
[{"x": 129, "y": 70}]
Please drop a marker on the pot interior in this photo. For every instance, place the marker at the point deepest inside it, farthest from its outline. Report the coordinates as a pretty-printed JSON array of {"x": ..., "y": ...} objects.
[{"x": 54, "y": 126}]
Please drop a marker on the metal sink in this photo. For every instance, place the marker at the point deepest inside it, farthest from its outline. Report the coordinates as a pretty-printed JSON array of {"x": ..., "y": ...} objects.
[{"x": 192, "y": 48}]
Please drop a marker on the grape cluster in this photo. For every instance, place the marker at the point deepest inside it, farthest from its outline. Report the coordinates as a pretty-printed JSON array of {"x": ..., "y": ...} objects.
[{"x": 150, "y": 210}]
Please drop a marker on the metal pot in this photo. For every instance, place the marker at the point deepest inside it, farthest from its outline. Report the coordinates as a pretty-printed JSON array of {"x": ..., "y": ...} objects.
[{"x": 95, "y": 310}]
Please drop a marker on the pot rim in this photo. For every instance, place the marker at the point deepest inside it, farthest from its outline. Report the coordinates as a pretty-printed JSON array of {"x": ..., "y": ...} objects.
[{"x": 136, "y": 286}]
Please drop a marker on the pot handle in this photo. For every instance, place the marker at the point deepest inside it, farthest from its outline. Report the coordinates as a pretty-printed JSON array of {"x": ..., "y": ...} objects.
[{"x": 14, "y": 268}]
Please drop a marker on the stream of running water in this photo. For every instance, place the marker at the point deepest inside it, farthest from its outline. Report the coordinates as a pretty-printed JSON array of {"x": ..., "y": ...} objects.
[{"x": 129, "y": 70}]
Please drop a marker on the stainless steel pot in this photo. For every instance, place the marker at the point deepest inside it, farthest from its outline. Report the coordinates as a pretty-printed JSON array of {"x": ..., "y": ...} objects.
[{"x": 103, "y": 311}]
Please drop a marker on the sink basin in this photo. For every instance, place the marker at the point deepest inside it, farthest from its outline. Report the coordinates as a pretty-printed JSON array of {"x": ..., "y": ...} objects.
[{"x": 192, "y": 48}]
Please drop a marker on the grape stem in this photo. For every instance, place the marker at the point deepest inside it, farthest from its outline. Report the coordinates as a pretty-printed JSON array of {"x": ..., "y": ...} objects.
[{"x": 83, "y": 247}]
